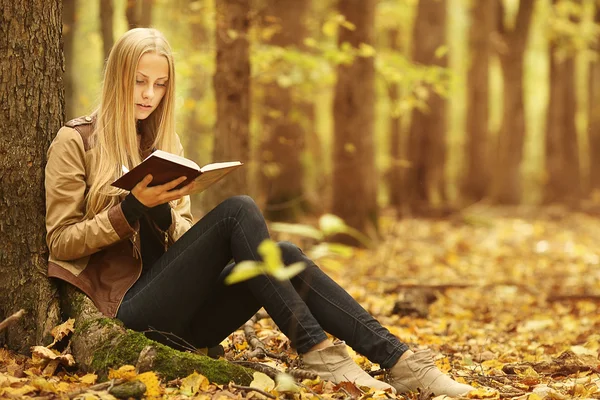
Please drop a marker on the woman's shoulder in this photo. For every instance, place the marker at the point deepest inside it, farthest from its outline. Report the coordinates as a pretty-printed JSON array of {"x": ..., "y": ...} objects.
[{"x": 78, "y": 128}]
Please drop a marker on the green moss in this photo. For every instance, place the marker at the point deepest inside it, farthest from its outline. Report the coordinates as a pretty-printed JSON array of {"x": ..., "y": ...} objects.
[
  {"x": 169, "y": 363},
  {"x": 83, "y": 328}
]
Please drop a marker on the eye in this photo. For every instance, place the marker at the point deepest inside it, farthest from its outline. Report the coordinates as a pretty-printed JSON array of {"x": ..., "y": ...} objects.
[
  {"x": 161, "y": 84},
  {"x": 139, "y": 82}
]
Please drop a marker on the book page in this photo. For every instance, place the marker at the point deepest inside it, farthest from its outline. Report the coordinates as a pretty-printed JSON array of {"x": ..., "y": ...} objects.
[
  {"x": 175, "y": 158},
  {"x": 219, "y": 165}
]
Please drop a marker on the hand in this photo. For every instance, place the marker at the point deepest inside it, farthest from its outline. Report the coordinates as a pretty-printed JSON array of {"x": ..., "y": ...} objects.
[{"x": 160, "y": 194}]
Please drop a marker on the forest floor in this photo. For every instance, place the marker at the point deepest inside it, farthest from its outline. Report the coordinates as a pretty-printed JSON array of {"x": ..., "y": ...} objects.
[{"x": 507, "y": 300}]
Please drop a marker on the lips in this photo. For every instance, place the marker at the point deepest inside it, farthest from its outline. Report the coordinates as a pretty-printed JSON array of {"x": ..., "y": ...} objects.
[{"x": 146, "y": 107}]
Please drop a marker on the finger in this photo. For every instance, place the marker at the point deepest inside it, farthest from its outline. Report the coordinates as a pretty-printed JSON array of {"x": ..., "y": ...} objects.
[
  {"x": 172, "y": 184},
  {"x": 145, "y": 182}
]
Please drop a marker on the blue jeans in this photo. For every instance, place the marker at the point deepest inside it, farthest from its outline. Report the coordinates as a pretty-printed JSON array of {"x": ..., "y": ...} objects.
[{"x": 183, "y": 292}]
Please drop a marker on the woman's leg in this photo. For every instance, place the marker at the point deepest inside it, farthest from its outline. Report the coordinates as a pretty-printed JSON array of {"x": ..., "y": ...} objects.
[{"x": 171, "y": 294}]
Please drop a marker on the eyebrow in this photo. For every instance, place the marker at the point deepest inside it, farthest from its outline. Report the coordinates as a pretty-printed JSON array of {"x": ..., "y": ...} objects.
[{"x": 146, "y": 76}]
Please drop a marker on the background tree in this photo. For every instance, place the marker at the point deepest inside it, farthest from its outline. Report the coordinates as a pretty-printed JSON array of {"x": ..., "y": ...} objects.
[
  {"x": 106, "y": 26},
  {"x": 138, "y": 13},
  {"x": 232, "y": 92},
  {"x": 594, "y": 111},
  {"x": 32, "y": 111},
  {"x": 68, "y": 33},
  {"x": 476, "y": 180},
  {"x": 281, "y": 168},
  {"x": 425, "y": 182},
  {"x": 354, "y": 175},
  {"x": 511, "y": 50},
  {"x": 562, "y": 152},
  {"x": 394, "y": 175}
]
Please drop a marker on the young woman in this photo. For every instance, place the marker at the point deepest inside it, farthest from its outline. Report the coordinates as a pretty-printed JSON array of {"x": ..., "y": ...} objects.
[{"x": 140, "y": 259}]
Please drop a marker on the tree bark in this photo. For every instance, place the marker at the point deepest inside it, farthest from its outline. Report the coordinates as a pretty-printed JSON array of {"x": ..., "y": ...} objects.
[
  {"x": 281, "y": 171},
  {"x": 106, "y": 26},
  {"x": 562, "y": 152},
  {"x": 477, "y": 153},
  {"x": 594, "y": 115},
  {"x": 232, "y": 91},
  {"x": 394, "y": 175},
  {"x": 68, "y": 34},
  {"x": 507, "y": 183},
  {"x": 425, "y": 181},
  {"x": 31, "y": 112},
  {"x": 354, "y": 177}
]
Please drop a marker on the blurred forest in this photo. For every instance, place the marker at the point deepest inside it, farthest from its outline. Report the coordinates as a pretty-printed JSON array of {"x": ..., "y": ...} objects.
[{"x": 355, "y": 106}]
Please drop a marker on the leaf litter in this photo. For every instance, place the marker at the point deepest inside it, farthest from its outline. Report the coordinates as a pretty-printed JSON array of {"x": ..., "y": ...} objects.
[{"x": 507, "y": 300}]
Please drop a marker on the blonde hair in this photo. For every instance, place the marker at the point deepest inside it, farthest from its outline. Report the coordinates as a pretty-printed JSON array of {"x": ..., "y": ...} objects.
[{"x": 114, "y": 140}]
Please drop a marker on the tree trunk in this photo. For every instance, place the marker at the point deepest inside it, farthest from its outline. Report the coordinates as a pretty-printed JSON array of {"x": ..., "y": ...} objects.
[
  {"x": 198, "y": 132},
  {"x": 394, "y": 175},
  {"x": 594, "y": 115},
  {"x": 100, "y": 343},
  {"x": 32, "y": 98},
  {"x": 425, "y": 181},
  {"x": 146, "y": 13},
  {"x": 562, "y": 153},
  {"x": 68, "y": 33},
  {"x": 232, "y": 92},
  {"x": 106, "y": 26},
  {"x": 132, "y": 13},
  {"x": 281, "y": 170},
  {"x": 354, "y": 174},
  {"x": 507, "y": 183},
  {"x": 477, "y": 153}
]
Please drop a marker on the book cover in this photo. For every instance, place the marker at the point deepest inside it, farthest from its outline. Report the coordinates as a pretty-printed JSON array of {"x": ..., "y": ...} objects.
[{"x": 165, "y": 167}]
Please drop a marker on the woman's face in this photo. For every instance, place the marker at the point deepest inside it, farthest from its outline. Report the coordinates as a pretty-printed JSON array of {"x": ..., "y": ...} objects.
[{"x": 150, "y": 84}]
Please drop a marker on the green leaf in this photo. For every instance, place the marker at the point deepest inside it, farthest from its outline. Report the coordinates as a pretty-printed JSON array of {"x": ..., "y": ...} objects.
[
  {"x": 284, "y": 273},
  {"x": 297, "y": 229},
  {"x": 331, "y": 224},
  {"x": 243, "y": 271},
  {"x": 271, "y": 255}
]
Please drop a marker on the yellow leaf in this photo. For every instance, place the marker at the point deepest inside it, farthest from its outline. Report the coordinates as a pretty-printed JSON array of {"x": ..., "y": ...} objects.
[
  {"x": 41, "y": 354},
  {"x": 191, "y": 384},
  {"x": 63, "y": 330},
  {"x": 88, "y": 379},
  {"x": 126, "y": 372},
  {"x": 16, "y": 392},
  {"x": 262, "y": 381},
  {"x": 153, "y": 389},
  {"x": 43, "y": 385}
]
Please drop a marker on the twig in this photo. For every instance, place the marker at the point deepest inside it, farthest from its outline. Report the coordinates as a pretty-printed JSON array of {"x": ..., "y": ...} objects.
[
  {"x": 252, "y": 389},
  {"x": 168, "y": 335},
  {"x": 301, "y": 374},
  {"x": 258, "y": 347},
  {"x": 98, "y": 387},
  {"x": 265, "y": 369},
  {"x": 574, "y": 297},
  {"x": 12, "y": 319}
]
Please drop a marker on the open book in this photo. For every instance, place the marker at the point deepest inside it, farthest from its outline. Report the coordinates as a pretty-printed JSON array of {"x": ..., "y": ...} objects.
[{"x": 165, "y": 167}]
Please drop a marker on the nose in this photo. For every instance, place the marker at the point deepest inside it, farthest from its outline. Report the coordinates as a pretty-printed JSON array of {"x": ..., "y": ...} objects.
[{"x": 148, "y": 92}]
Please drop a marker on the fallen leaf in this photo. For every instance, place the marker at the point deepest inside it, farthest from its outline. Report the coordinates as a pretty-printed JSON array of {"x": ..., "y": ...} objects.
[
  {"x": 126, "y": 372},
  {"x": 153, "y": 389},
  {"x": 63, "y": 330},
  {"x": 191, "y": 384},
  {"x": 262, "y": 381}
]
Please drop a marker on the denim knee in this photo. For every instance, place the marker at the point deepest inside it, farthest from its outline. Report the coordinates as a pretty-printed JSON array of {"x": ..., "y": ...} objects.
[{"x": 290, "y": 253}]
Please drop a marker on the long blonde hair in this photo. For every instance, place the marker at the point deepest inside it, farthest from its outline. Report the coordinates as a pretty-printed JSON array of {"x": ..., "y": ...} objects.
[{"x": 114, "y": 140}]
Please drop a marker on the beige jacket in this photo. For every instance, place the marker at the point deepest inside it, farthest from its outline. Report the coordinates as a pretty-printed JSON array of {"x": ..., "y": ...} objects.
[{"x": 100, "y": 256}]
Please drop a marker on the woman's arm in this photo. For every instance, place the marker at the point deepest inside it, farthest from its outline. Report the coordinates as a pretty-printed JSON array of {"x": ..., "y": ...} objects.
[{"x": 69, "y": 235}]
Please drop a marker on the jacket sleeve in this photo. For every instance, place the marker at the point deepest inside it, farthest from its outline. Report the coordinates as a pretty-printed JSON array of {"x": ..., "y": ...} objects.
[
  {"x": 69, "y": 235},
  {"x": 181, "y": 212}
]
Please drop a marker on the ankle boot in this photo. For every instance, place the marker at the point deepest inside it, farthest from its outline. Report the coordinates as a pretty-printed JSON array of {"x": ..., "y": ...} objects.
[
  {"x": 335, "y": 364},
  {"x": 418, "y": 371}
]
